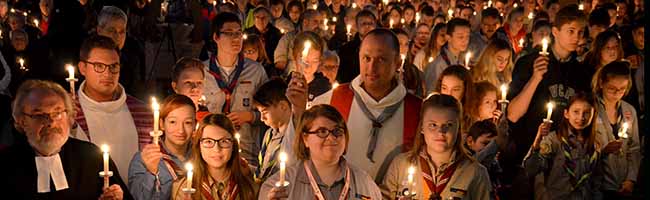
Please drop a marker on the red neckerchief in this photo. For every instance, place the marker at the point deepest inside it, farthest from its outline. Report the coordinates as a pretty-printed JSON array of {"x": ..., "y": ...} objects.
[
  {"x": 227, "y": 88},
  {"x": 436, "y": 188},
  {"x": 514, "y": 39},
  {"x": 173, "y": 168}
]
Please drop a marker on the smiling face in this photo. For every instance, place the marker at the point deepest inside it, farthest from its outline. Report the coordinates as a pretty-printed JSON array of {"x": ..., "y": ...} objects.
[
  {"x": 216, "y": 157},
  {"x": 378, "y": 62},
  {"x": 178, "y": 125},
  {"x": 440, "y": 129},
  {"x": 579, "y": 114},
  {"x": 328, "y": 149}
]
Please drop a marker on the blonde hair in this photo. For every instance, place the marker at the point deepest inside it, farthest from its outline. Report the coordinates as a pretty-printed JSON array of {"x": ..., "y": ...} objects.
[{"x": 486, "y": 70}]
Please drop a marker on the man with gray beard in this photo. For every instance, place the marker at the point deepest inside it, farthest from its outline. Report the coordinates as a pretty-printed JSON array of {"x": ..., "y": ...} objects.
[{"x": 44, "y": 163}]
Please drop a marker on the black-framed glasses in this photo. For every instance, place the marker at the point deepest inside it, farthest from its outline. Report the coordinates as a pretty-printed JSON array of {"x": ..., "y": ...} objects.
[
  {"x": 232, "y": 34},
  {"x": 43, "y": 117},
  {"x": 101, "y": 67},
  {"x": 223, "y": 143},
  {"x": 324, "y": 132},
  {"x": 443, "y": 128}
]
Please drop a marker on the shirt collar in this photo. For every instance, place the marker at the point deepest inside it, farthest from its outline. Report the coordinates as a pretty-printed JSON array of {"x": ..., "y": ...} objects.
[{"x": 303, "y": 178}]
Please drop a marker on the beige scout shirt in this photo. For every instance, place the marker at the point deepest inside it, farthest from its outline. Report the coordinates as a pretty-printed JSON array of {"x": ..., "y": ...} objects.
[
  {"x": 469, "y": 181},
  {"x": 361, "y": 184}
]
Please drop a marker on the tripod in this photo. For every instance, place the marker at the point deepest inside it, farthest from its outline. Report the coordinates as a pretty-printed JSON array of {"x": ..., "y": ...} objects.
[{"x": 167, "y": 34}]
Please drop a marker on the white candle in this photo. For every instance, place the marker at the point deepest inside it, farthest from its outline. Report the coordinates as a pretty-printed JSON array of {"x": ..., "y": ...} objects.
[
  {"x": 581, "y": 7},
  {"x": 490, "y": 3},
  {"x": 391, "y": 22},
  {"x": 623, "y": 133},
  {"x": 514, "y": 5},
  {"x": 354, "y": 5},
  {"x": 521, "y": 42},
  {"x": 504, "y": 91},
  {"x": 468, "y": 55},
  {"x": 544, "y": 46},
  {"x": 245, "y": 36},
  {"x": 156, "y": 115},
  {"x": 411, "y": 173},
  {"x": 417, "y": 18},
  {"x": 549, "y": 106},
  {"x": 105, "y": 155},
  {"x": 70, "y": 69},
  {"x": 334, "y": 19},
  {"x": 190, "y": 174},
  {"x": 283, "y": 167},
  {"x": 21, "y": 61},
  {"x": 36, "y": 23},
  {"x": 531, "y": 15}
]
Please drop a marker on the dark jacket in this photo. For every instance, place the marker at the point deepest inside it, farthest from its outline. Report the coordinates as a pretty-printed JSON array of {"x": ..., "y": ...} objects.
[{"x": 349, "y": 56}]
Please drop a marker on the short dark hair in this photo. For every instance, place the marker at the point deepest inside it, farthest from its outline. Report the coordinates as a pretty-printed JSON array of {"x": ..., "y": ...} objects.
[
  {"x": 541, "y": 24},
  {"x": 481, "y": 128},
  {"x": 427, "y": 10},
  {"x": 609, "y": 6},
  {"x": 456, "y": 22},
  {"x": 295, "y": 3},
  {"x": 96, "y": 41},
  {"x": 221, "y": 19},
  {"x": 271, "y": 93},
  {"x": 277, "y": 2},
  {"x": 568, "y": 14},
  {"x": 490, "y": 12},
  {"x": 365, "y": 13},
  {"x": 389, "y": 37},
  {"x": 599, "y": 17}
]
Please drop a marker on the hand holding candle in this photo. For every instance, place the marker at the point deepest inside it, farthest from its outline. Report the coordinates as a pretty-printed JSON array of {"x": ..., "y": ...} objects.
[
  {"x": 71, "y": 78},
  {"x": 349, "y": 29}
]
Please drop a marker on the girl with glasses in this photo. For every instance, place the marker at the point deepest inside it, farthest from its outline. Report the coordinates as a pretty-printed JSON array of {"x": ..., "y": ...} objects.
[
  {"x": 621, "y": 149},
  {"x": 438, "y": 164},
  {"x": 321, "y": 171},
  {"x": 219, "y": 170}
]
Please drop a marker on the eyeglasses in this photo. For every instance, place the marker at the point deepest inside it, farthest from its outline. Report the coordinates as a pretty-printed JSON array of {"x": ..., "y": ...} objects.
[
  {"x": 250, "y": 51},
  {"x": 324, "y": 133},
  {"x": 101, "y": 67},
  {"x": 43, "y": 117},
  {"x": 443, "y": 128},
  {"x": 232, "y": 34},
  {"x": 223, "y": 143}
]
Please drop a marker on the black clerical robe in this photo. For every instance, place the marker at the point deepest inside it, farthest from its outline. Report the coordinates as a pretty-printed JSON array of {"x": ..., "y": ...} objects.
[{"x": 81, "y": 162}]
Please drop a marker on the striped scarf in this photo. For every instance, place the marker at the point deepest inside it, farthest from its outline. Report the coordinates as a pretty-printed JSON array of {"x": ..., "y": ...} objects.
[
  {"x": 570, "y": 165},
  {"x": 435, "y": 184}
]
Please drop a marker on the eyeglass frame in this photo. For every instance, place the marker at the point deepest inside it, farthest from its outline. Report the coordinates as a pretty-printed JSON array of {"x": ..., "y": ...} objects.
[
  {"x": 104, "y": 66},
  {"x": 328, "y": 131},
  {"x": 50, "y": 116},
  {"x": 216, "y": 143}
]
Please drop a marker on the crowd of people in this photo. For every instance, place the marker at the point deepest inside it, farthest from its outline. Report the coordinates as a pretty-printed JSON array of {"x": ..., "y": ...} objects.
[{"x": 322, "y": 99}]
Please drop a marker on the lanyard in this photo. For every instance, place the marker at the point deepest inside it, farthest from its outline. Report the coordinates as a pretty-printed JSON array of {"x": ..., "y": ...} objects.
[
  {"x": 227, "y": 88},
  {"x": 316, "y": 189}
]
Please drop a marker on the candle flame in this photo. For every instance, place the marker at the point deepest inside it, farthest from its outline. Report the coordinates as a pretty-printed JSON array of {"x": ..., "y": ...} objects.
[
  {"x": 625, "y": 125},
  {"x": 237, "y": 136},
  {"x": 334, "y": 19},
  {"x": 105, "y": 148},
  {"x": 531, "y": 15},
  {"x": 335, "y": 85},
  {"x": 549, "y": 105},
  {"x": 431, "y": 59},
  {"x": 411, "y": 170},
  {"x": 154, "y": 104},
  {"x": 70, "y": 68},
  {"x": 581, "y": 7},
  {"x": 21, "y": 61},
  {"x": 315, "y": 7},
  {"x": 245, "y": 36},
  {"x": 354, "y": 5},
  {"x": 283, "y": 157},
  {"x": 504, "y": 88},
  {"x": 514, "y": 5},
  {"x": 189, "y": 166}
]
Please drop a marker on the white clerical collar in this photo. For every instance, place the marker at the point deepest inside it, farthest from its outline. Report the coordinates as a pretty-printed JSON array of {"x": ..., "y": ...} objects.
[
  {"x": 107, "y": 106},
  {"x": 50, "y": 167}
]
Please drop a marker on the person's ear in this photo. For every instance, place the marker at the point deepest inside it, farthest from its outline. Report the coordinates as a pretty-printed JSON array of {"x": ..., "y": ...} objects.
[
  {"x": 566, "y": 113},
  {"x": 174, "y": 86},
  {"x": 82, "y": 68},
  {"x": 555, "y": 31},
  {"x": 215, "y": 37}
]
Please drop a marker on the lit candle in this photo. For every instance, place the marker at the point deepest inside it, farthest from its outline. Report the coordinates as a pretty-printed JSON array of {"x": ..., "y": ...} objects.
[
  {"x": 70, "y": 69},
  {"x": 238, "y": 138},
  {"x": 450, "y": 12},
  {"x": 403, "y": 56},
  {"x": 402, "y": 21},
  {"x": 354, "y": 5},
  {"x": 468, "y": 55},
  {"x": 325, "y": 23},
  {"x": 105, "y": 155},
  {"x": 21, "y": 61},
  {"x": 391, "y": 22},
  {"x": 581, "y": 7},
  {"x": 156, "y": 115},
  {"x": 245, "y": 36},
  {"x": 623, "y": 132},
  {"x": 214, "y": 3},
  {"x": 283, "y": 167},
  {"x": 12, "y": 10},
  {"x": 411, "y": 174},
  {"x": 335, "y": 85},
  {"x": 514, "y": 5},
  {"x": 549, "y": 106},
  {"x": 25, "y": 14},
  {"x": 545, "y": 46},
  {"x": 504, "y": 91},
  {"x": 315, "y": 7},
  {"x": 282, "y": 30},
  {"x": 385, "y": 2},
  {"x": 521, "y": 42},
  {"x": 490, "y": 3},
  {"x": 36, "y": 23},
  {"x": 190, "y": 174},
  {"x": 531, "y": 15},
  {"x": 417, "y": 18},
  {"x": 224, "y": 1},
  {"x": 430, "y": 59},
  {"x": 305, "y": 52}
]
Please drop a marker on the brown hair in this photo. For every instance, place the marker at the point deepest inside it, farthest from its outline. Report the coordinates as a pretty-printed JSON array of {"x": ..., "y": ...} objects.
[
  {"x": 459, "y": 72},
  {"x": 255, "y": 41},
  {"x": 446, "y": 102},
  {"x": 323, "y": 110},
  {"x": 238, "y": 167},
  {"x": 475, "y": 99},
  {"x": 589, "y": 133},
  {"x": 186, "y": 63},
  {"x": 593, "y": 57},
  {"x": 96, "y": 41},
  {"x": 616, "y": 69},
  {"x": 568, "y": 14}
]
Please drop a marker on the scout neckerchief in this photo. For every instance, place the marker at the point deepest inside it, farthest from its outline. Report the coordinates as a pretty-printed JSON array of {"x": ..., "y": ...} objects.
[
  {"x": 377, "y": 122},
  {"x": 314, "y": 186},
  {"x": 172, "y": 167},
  {"x": 605, "y": 118},
  {"x": 259, "y": 174},
  {"x": 229, "y": 194},
  {"x": 227, "y": 88},
  {"x": 435, "y": 185},
  {"x": 570, "y": 165}
]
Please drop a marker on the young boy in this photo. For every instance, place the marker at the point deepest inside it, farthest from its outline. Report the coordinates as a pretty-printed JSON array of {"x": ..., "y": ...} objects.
[
  {"x": 458, "y": 33},
  {"x": 541, "y": 78},
  {"x": 277, "y": 113}
]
